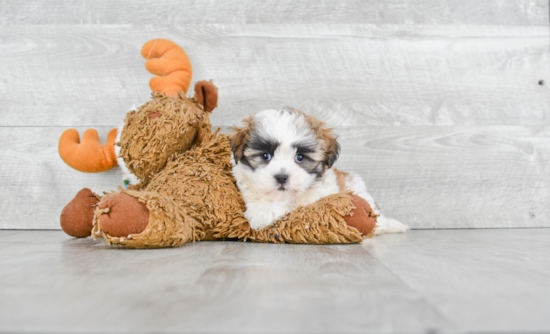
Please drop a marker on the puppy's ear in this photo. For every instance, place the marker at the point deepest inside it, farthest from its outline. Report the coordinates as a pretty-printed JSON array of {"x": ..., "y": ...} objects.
[
  {"x": 332, "y": 148},
  {"x": 239, "y": 138}
]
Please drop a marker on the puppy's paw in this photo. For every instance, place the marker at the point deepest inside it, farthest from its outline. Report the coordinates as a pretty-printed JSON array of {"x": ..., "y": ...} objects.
[
  {"x": 260, "y": 218},
  {"x": 259, "y": 222}
]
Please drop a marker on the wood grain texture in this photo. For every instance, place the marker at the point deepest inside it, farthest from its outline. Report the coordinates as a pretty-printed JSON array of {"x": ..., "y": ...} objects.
[
  {"x": 486, "y": 281},
  {"x": 491, "y": 12},
  {"x": 383, "y": 75},
  {"x": 438, "y": 103},
  {"x": 423, "y": 281},
  {"x": 427, "y": 177},
  {"x": 454, "y": 177}
]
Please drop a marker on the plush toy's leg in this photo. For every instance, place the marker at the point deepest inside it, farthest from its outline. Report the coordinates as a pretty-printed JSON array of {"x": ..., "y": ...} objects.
[
  {"x": 339, "y": 218},
  {"x": 77, "y": 216},
  {"x": 140, "y": 219}
]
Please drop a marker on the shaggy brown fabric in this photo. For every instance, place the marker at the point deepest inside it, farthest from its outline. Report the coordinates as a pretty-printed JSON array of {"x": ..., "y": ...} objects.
[
  {"x": 77, "y": 216},
  {"x": 169, "y": 225},
  {"x": 319, "y": 223},
  {"x": 146, "y": 143},
  {"x": 200, "y": 180}
]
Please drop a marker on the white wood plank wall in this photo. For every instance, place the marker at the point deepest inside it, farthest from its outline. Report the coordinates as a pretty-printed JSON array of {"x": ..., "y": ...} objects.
[{"x": 438, "y": 103}]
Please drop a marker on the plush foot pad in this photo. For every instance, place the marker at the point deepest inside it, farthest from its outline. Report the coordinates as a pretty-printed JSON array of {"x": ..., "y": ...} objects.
[
  {"x": 78, "y": 215},
  {"x": 361, "y": 217},
  {"x": 126, "y": 215}
]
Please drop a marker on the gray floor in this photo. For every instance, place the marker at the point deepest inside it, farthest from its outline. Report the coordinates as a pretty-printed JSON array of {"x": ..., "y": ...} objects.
[{"x": 422, "y": 281}]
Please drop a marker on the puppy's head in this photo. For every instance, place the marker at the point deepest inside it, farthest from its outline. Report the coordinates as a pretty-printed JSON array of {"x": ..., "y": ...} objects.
[{"x": 283, "y": 152}]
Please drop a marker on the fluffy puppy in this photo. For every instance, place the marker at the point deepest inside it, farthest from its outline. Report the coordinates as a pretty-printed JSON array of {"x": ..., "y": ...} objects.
[{"x": 283, "y": 159}]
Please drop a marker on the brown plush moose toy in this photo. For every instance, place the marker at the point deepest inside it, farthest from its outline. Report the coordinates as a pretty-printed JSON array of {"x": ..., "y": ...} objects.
[{"x": 180, "y": 186}]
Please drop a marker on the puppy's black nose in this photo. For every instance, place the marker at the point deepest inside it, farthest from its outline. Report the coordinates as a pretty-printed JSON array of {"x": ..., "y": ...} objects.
[{"x": 281, "y": 178}]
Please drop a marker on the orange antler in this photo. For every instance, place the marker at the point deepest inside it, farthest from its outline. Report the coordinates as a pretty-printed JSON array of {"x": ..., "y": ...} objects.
[
  {"x": 171, "y": 63},
  {"x": 88, "y": 156}
]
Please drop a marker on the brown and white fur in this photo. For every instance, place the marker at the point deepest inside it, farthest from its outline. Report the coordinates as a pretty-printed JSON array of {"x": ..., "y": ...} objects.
[{"x": 283, "y": 159}]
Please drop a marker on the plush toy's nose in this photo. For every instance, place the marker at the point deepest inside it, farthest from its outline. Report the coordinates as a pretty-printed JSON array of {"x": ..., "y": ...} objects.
[{"x": 154, "y": 114}]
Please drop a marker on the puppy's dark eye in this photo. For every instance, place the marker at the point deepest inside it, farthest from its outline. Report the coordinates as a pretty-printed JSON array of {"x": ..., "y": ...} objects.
[
  {"x": 299, "y": 158},
  {"x": 266, "y": 156}
]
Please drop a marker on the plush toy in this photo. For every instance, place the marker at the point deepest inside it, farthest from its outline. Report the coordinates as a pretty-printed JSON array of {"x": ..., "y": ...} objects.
[{"x": 178, "y": 172}]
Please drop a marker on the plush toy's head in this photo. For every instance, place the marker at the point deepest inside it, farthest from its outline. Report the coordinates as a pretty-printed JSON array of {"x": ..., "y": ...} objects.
[
  {"x": 169, "y": 123},
  {"x": 163, "y": 126}
]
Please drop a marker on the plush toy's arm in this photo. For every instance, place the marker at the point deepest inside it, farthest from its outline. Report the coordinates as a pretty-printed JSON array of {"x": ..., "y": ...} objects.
[{"x": 335, "y": 219}]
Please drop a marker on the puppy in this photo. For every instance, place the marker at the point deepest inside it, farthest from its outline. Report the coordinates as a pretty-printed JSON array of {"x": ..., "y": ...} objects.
[{"x": 283, "y": 159}]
